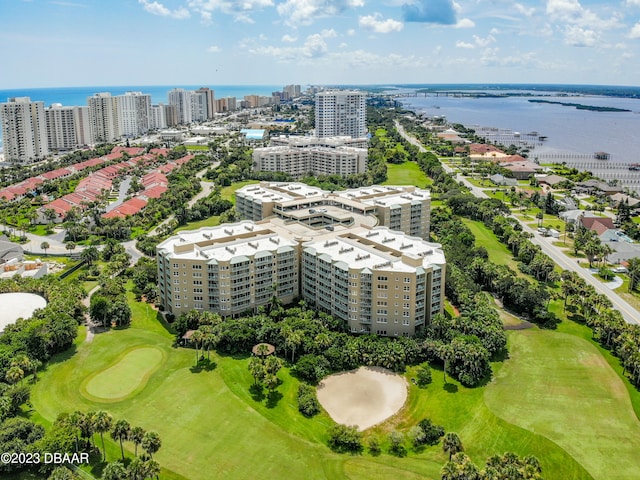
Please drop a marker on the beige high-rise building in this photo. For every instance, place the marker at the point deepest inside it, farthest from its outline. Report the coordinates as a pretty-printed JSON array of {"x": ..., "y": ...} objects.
[
  {"x": 375, "y": 279},
  {"x": 24, "y": 130},
  {"x": 210, "y": 101},
  {"x": 328, "y": 249},
  {"x": 402, "y": 208}
]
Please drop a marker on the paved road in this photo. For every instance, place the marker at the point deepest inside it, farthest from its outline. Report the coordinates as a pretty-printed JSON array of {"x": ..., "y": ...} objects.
[
  {"x": 630, "y": 314},
  {"x": 207, "y": 188}
]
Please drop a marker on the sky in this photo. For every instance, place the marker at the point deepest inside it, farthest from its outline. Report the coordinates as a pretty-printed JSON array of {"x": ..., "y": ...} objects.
[{"x": 57, "y": 43}]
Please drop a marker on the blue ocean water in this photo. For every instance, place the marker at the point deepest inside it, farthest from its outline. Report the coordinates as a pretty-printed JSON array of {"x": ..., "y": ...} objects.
[{"x": 70, "y": 96}]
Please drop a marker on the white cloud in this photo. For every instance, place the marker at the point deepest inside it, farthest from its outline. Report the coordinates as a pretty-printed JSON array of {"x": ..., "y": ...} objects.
[
  {"x": 329, "y": 33},
  {"x": 214, "y": 49},
  {"x": 635, "y": 31},
  {"x": 241, "y": 10},
  {"x": 351, "y": 32},
  {"x": 484, "y": 42},
  {"x": 461, "y": 44},
  {"x": 375, "y": 23},
  {"x": 465, "y": 23},
  {"x": 156, "y": 8},
  {"x": 527, "y": 12},
  {"x": 304, "y": 12},
  {"x": 288, "y": 38},
  {"x": 632, "y": 3},
  {"x": 580, "y": 37}
]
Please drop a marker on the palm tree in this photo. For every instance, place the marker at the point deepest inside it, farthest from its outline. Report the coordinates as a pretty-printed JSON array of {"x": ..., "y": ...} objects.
[
  {"x": 89, "y": 255},
  {"x": 634, "y": 272},
  {"x": 136, "y": 435},
  {"x": 151, "y": 443},
  {"x": 152, "y": 468},
  {"x": 256, "y": 367},
  {"x": 452, "y": 444},
  {"x": 293, "y": 340},
  {"x": 120, "y": 431},
  {"x": 114, "y": 471},
  {"x": 71, "y": 246},
  {"x": 196, "y": 338},
  {"x": 102, "y": 421},
  {"x": 137, "y": 470},
  {"x": 14, "y": 375},
  {"x": 45, "y": 246}
]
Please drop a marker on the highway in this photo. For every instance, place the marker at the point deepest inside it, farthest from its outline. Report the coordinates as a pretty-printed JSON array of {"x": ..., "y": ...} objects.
[{"x": 630, "y": 314}]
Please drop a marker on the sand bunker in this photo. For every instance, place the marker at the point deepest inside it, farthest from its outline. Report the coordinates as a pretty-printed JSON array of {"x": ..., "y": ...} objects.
[
  {"x": 18, "y": 305},
  {"x": 363, "y": 397}
]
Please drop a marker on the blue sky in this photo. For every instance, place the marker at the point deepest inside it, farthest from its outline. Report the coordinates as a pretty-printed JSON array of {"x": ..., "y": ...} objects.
[{"x": 49, "y": 43}]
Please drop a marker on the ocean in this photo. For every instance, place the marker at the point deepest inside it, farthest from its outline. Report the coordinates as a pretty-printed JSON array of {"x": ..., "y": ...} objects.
[{"x": 71, "y": 96}]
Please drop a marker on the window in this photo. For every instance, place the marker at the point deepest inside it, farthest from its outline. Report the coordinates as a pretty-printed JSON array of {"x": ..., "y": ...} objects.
[
  {"x": 381, "y": 311},
  {"x": 406, "y": 297},
  {"x": 405, "y": 314},
  {"x": 382, "y": 303},
  {"x": 407, "y": 288},
  {"x": 196, "y": 267},
  {"x": 405, "y": 321},
  {"x": 197, "y": 282},
  {"x": 406, "y": 305},
  {"x": 382, "y": 279},
  {"x": 407, "y": 279}
]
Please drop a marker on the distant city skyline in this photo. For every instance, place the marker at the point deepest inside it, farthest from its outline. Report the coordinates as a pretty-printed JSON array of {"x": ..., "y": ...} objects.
[{"x": 56, "y": 43}]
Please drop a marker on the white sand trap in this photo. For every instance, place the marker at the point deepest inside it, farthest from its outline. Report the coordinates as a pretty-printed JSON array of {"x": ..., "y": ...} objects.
[
  {"x": 363, "y": 397},
  {"x": 18, "y": 305}
]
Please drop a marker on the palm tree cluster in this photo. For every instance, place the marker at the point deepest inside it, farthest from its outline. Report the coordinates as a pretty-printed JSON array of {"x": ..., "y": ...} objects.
[
  {"x": 588, "y": 241},
  {"x": 608, "y": 326},
  {"x": 86, "y": 425}
]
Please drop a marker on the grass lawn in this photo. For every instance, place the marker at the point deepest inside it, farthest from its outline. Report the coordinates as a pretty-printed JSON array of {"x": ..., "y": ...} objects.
[
  {"x": 498, "y": 253},
  {"x": 228, "y": 192},
  {"x": 407, "y": 173},
  {"x": 206, "y": 222},
  {"x": 632, "y": 298},
  {"x": 573, "y": 397}
]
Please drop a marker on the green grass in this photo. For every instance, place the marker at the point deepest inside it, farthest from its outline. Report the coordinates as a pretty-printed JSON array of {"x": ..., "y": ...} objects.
[
  {"x": 407, "y": 173},
  {"x": 581, "y": 404},
  {"x": 198, "y": 148},
  {"x": 207, "y": 222},
  {"x": 123, "y": 378},
  {"x": 210, "y": 419},
  {"x": 228, "y": 193},
  {"x": 498, "y": 253}
]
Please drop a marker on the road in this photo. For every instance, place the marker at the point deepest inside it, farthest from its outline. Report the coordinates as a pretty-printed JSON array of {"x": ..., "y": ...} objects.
[{"x": 630, "y": 314}]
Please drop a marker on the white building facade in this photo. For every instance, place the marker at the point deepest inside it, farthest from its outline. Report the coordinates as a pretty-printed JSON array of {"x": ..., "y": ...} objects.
[
  {"x": 24, "y": 130},
  {"x": 341, "y": 112}
]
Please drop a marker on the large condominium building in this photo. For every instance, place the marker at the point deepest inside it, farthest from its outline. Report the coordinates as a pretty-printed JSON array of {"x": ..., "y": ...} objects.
[
  {"x": 210, "y": 100},
  {"x": 61, "y": 127},
  {"x": 104, "y": 118},
  {"x": 134, "y": 113},
  {"x": 158, "y": 117},
  {"x": 227, "y": 269},
  {"x": 199, "y": 106},
  {"x": 317, "y": 160},
  {"x": 299, "y": 156},
  {"x": 24, "y": 130},
  {"x": 291, "y": 91},
  {"x": 341, "y": 112},
  {"x": 401, "y": 208},
  {"x": 181, "y": 99},
  {"x": 376, "y": 280}
]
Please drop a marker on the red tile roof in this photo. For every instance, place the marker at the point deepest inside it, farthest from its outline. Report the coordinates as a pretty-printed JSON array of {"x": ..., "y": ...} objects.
[
  {"x": 130, "y": 207},
  {"x": 154, "y": 192}
]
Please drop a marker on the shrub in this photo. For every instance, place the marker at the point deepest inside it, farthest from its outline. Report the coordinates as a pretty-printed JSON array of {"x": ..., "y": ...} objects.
[
  {"x": 396, "y": 441},
  {"x": 374, "y": 446},
  {"x": 311, "y": 368},
  {"x": 432, "y": 432},
  {"x": 344, "y": 439},
  {"x": 307, "y": 402}
]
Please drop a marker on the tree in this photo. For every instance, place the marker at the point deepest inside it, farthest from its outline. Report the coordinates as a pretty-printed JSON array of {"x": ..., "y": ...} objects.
[
  {"x": 452, "y": 444},
  {"x": 151, "y": 443},
  {"x": 343, "y": 439},
  {"x": 136, "y": 435},
  {"x": 62, "y": 473},
  {"x": 71, "y": 246},
  {"x": 14, "y": 375},
  {"x": 114, "y": 471},
  {"x": 120, "y": 432},
  {"x": 634, "y": 272},
  {"x": 137, "y": 470},
  {"x": 396, "y": 444},
  {"x": 90, "y": 255},
  {"x": 152, "y": 468},
  {"x": 196, "y": 338},
  {"x": 102, "y": 421},
  {"x": 423, "y": 375},
  {"x": 45, "y": 246},
  {"x": 256, "y": 368}
]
